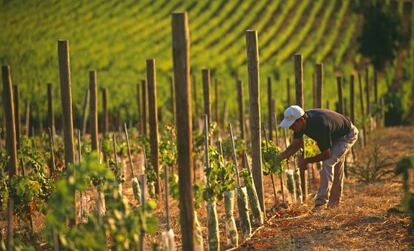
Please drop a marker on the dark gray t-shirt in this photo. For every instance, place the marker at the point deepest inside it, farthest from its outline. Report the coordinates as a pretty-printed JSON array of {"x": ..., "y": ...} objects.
[{"x": 325, "y": 126}]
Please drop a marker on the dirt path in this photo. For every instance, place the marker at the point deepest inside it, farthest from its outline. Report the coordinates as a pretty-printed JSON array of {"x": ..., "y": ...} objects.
[{"x": 360, "y": 223}]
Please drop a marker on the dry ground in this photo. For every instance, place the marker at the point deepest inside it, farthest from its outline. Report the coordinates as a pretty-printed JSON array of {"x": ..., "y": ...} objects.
[{"x": 360, "y": 223}]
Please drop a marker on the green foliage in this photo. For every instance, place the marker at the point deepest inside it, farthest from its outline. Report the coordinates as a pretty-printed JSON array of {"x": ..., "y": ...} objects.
[
  {"x": 168, "y": 148},
  {"x": 394, "y": 109},
  {"x": 198, "y": 195},
  {"x": 311, "y": 147},
  {"x": 168, "y": 154},
  {"x": 117, "y": 169},
  {"x": 381, "y": 33},
  {"x": 270, "y": 152},
  {"x": 239, "y": 145},
  {"x": 32, "y": 191},
  {"x": 218, "y": 175},
  {"x": 120, "y": 223},
  {"x": 402, "y": 168}
]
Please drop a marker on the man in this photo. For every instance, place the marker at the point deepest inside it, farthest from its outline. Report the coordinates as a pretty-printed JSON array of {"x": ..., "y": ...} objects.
[{"x": 334, "y": 134}]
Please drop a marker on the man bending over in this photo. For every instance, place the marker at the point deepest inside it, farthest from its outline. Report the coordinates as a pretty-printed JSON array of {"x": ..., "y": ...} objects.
[{"x": 334, "y": 134}]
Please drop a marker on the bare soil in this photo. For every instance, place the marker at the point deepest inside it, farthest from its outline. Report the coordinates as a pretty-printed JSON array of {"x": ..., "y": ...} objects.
[{"x": 361, "y": 222}]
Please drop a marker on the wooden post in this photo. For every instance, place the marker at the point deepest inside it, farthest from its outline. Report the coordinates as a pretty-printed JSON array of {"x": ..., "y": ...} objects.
[
  {"x": 52, "y": 162},
  {"x": 376, "y": 87},
  {"x": 153, "y": 119},
  {"x": 299, "y": 102},
  {"x": 340, "y": 96},
  {"x": 313, "y": 90},
  {"x": 85, "y": 111},
  {"x": 139, "y": 112},
  {"x": 252, "y": 45},
  {"x": 144, "y": 106},
  {"x": 8, "y": 105},
  {"x": 319, "y": 85},
  {"x": 66, "y": 97},
  {"x": 216, "y": 103},
  {"x": 143, "y": 201},
  {"x": 105, "y": 110},
  {"x": 50, "y": 110},
  {"x": 352, "y": 98},
  {"x": 196, "y": 109},
  {"x": 93, "y": 90},
  {"x": 269, "y": 106},
  {"x": 181, "y": 63},
  {"x": 240, "y": 101},
  {"x": 27, "y": 118},
  {"x": 224, "y": 114},
  {"x": 172, "y": 89},
  {"x": 288, "y": 98},
  {"x": 361, "y": 98},
  {"x": 16, "y": 98},
  {"x": 206, "y": 93},
  {"x": 367, "y": 87},
  {"x": 376, "y": 101}
]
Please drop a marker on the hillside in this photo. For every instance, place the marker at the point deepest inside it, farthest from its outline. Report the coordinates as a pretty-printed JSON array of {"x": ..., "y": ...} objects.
[{"x": 116, "y": 38}]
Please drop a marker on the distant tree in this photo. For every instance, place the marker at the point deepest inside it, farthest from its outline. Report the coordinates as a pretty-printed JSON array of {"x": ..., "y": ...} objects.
[{"x": 381, "y": 34}]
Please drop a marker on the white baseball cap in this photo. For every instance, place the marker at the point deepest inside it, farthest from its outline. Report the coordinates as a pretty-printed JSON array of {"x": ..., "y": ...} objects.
[{"x": 291, "y": 114}]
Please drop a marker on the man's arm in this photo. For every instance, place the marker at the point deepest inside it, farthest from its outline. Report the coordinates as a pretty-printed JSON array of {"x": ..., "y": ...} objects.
[
  {"x": 291, "y": 149},
  {"x": 324, "y": 155}
]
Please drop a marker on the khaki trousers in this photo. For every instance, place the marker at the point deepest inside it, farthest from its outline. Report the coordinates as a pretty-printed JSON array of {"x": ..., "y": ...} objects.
[{"x": 332, "y": 172}]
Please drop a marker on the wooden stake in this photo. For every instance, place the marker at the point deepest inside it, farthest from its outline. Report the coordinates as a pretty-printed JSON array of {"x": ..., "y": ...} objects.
[
  {"x": 206, "y": 93},
  {"x": 27, "y": 118},
  {"x": 352, "y": 98},
  {"x": 299, "y": 101},
  {"x": 105, "y": 110},
  {"x": 224, "y": 114},
  {"x": 66, "y": 97},
  {"x": 93, "y": 90},
  {"x": 240, "y": 101},
  {"x": 85, "y": 111},
  {"x": 153, "y": 120},
  {"x": 288, "y": 99},
  {"x": 145, "y": 106},
  {"x": 319, "y": 85},
  {"x": 181, "y": 63},
  {"x": 129, "y": 150},
  {"x": 269, "y": 106},
  {"x": 167, "y": 191},
  {"x": 376, "y": 87},
  {"x": 206, "y": 147},
  {"x": 172, "y": 89},
  {"x": 139, "y": 111},
  {"x": 12, "y": 164},
  {"x": 255, "y": 118},
  {"x": 216, "y": 103},
  {"x": 340, "y": 96},
  {"x": 50, "y": 109},
  {"x": 115, "y": 150},
  {"x": 16, "y": 98},
  {"x": 234, "y": 155},
  {"x": 314, "y": 90},
  {"x": 367, "y": 89},
  {"x": 361, "y": 98},
  {"x": 52, "y": 164},
  {"x": 142, "y": 236},
  {"x": 196, "y": 109}
]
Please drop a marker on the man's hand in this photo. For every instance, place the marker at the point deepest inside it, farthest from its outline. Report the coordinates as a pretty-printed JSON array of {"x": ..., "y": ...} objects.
[{"x": 303, "y": 164}]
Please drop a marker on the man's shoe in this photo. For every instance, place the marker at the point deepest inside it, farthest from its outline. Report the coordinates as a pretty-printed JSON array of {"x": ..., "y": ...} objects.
[{"x": 318, "y": 207}]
